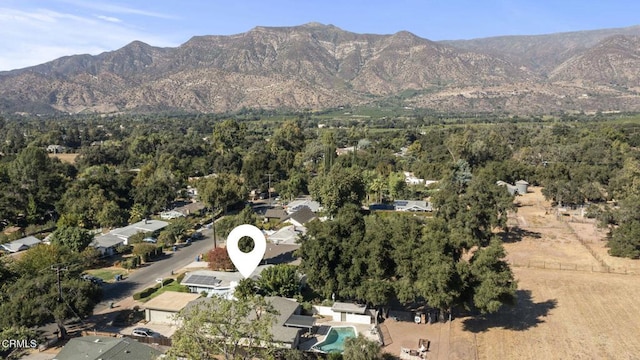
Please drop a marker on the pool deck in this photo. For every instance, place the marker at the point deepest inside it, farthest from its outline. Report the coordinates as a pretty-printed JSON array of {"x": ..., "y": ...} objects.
[{"x": 323, "y": 330}]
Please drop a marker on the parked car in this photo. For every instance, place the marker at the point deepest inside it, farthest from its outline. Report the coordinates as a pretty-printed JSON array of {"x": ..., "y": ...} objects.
[
  {"x": 150, "y": 240},
  {"x": 145, "y": 332},
  {"x": 93, "y": 279},
  {"x": 196, "y": 236}
]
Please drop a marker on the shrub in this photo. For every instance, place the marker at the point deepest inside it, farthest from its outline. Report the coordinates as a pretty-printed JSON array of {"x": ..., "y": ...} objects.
[
  {"x": 181, "y": 277},
  {"x": 219, "y": 260},
  {"x": 144, "y": 293},
  {"x": 138, "y": 237},
  {"x": 166, "y": 282},
  {"x": 127, "y": 264},
  {"x": 130, "y": 263},
  {"x": 307, "y": 308},
  {"x": 145, "y": 251},
  {"x": 123, "y": 249}
]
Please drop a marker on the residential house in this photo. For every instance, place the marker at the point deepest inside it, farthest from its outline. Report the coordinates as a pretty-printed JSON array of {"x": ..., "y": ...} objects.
[
  {"x": 411, "y": 179},
  {"x": 106, "y": 244},
  {"x": 144, "y": 226},
  {"x": 55, "y": 149},
  {"x": 21, "y": 244},
  {"x": 218, "y": 283},
  {"x": 412, "y": 205},
  {"x": 106, "y": 348},
  {"x": 513, "y": 190},
  {"x": 192, "y": 208},
  {"x": 301, "y": 216},
  {"x": 345, "y": 150},
  {"x": 163, "y": 308},
  {"x": 287, "y": 235},
  {"x": 295, "y": 205},
  {"x": 280, "y": 254},
  {"x": 276, "y": 214},
  {"x": 350, "y": 312},
  {"x": 171, "y": 214},
  {"x": 287, "y": 328}
]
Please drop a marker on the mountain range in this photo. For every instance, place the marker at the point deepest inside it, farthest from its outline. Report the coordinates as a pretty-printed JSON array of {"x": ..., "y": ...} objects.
[{"x": 316, "y": 66}]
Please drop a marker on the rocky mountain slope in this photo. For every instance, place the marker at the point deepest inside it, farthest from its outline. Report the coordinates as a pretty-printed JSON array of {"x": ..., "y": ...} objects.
[{"x": 317, "y": 66}]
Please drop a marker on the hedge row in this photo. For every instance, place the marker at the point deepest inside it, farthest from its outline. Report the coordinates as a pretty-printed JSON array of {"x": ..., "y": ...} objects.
[{"x": 149, "y": 291}]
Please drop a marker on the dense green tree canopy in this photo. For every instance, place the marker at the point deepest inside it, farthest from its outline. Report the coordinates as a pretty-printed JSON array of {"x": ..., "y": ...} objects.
[
  {"x": 221, "y": 190},
  {"x": 279, "y": 280},
  {"x": 74, "y": 238},
  {"x": 33, "y": 298},
  {"x": 339, "y": 187},
  {"x": 232, "y": 329}
]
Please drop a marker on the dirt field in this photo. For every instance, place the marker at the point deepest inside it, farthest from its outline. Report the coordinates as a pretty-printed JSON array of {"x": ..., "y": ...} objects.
[
  {"x": 574, "y": 300},
  {"x": 68, "y": 158}
]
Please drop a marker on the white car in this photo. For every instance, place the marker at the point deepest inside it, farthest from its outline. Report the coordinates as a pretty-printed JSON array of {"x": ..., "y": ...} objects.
[
  {"x": 150, "y": 240},
  {"x": 145, "y": 332}
]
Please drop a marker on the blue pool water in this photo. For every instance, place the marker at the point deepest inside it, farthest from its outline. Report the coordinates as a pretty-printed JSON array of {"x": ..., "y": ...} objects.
[{"x": 334, "y": 342}]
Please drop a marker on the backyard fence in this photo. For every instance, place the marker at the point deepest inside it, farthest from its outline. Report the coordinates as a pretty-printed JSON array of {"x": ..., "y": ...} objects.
[
  {"x": 574, "y": 267},
  {"x": 163, "y": 341}
]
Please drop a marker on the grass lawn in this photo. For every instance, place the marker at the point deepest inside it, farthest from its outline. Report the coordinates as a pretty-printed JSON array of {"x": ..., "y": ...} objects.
[
  {"x": 106, "y": 274},
  {"x": 174, "y": 286}
]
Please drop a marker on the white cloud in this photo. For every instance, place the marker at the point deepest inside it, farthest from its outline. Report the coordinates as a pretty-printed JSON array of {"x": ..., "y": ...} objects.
[
  {"x": 117, "y": 9},
  {"x": 31, "y": 37},
  {"x": 109, "y": 18}
]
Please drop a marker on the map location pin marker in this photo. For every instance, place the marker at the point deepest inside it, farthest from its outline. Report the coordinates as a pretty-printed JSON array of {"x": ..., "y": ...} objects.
[{"x": 246, "y": 263}]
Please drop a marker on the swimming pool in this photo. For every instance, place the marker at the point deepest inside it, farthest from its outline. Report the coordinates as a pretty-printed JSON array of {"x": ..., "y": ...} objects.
[{"x": 334, "y": 341}]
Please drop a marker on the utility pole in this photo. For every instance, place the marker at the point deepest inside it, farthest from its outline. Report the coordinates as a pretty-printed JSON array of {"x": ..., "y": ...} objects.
[
  {"x": 269, "y": 188},
  {"x": 58, "y": 268},
  {"x": 213, "y": 225}
]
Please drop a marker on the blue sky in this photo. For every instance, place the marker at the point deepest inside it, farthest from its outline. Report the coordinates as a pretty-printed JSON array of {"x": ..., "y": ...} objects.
[{"x": 36, "y": 31}]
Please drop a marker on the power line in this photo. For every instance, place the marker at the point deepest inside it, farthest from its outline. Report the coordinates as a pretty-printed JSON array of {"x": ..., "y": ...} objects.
[{"x": 58, "y": 268}]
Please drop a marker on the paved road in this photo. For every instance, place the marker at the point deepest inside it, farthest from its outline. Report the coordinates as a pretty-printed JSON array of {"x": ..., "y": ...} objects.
[{"x": 161, "y": 268}]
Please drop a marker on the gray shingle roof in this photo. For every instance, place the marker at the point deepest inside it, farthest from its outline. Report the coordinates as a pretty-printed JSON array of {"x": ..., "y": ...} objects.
[
  {"x": 275, "y": 213},
  {"x": 303, "y": 215},
  {"x": 285, "y": 309},
  {"x": 141, "y": 226},
  {"x": 21, "y": 244},
  {"x": 106, "y": 241},
  {"x": 106, "y": 348},
  {"x": 285, "y": 235}
]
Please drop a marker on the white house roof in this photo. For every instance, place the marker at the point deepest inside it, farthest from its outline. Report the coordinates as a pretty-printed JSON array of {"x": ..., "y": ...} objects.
[
  {"x": 349, "y": 308},
  {"x": 298, "y": 203},
  {"x": 216, "y": 279},
  {"x": 21, "y": 244},
  {"x": 412, "y": 205},
  {"x": 286, "y": 235},
  {"x": 171, "y": 214},
  {"x": 141, "y": 226},
  {"x": 106, "y": 241}
]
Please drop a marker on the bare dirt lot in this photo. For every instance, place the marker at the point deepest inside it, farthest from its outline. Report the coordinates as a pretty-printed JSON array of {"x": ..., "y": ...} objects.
[
  {"x": 68, "y": 158},
  {"x": 574, "y": 300}
]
